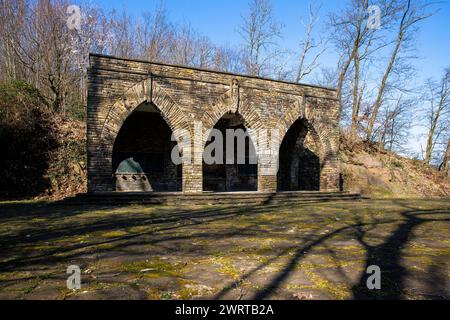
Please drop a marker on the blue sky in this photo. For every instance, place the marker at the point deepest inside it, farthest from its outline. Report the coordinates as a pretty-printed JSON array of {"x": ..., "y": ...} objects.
[{"x": 219, "y": 20}]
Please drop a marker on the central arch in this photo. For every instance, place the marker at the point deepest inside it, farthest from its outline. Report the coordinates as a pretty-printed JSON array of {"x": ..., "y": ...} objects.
[{"x": 230, "y": 170}]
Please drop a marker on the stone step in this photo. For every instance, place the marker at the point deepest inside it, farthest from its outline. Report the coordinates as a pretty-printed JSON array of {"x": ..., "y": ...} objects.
[
  {"x": 240, "y": 195},
  {"x": 238, "y": 198}
]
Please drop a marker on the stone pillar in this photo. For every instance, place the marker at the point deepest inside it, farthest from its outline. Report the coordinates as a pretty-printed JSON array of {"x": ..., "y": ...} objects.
[
  {"x": 267, "y": 183},
  {"x": 192, "y": 178},
  {"x": 329, "y": 176},
  {"x": 99, "y": 168},
  {"x": 100, "y": 176},
  {"x": 267, "y": 178},
  {"x": 267, "y": 172},
  {"x": 325, "y": 115}
]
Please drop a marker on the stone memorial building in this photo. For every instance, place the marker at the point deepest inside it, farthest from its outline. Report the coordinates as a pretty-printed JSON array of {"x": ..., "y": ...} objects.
[{"x": 134, "y": 107}]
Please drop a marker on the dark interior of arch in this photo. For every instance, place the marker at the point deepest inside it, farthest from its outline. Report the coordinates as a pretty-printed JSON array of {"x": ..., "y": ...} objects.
[
  {"x": 299, "y": 166},
  {"x": 240, "y": 176},
  {"x": 142, "y": 154}
]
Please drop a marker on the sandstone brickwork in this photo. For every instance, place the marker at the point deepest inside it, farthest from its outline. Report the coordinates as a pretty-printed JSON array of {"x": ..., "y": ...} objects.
[{"x": 184, "y": 96}]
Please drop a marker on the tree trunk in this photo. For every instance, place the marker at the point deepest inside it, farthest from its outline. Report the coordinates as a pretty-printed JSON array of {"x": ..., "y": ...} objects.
[
  {"x": 431, "y": 132},
  {"x": 392, "y": 61},
  {"x": 355, "y": 108},
  {"x": 429, "y": 147},
  {"x": 444, "y": 165}
]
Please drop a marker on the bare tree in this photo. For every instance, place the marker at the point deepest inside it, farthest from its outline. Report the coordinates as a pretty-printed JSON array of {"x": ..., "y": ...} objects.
[
  {"x": 46, "y": 53},
  {"x": 228, "y": 59},
  {"x": 92, "y": 36},
  {"x": 155, "y": 36},
  {"x": 259, "y": 32},
  {"x": 44, "y": 49},
  {"x": 349, "y": 33},
  {"x": 124, "y": 35},
  {"x": 437, "y": 114},
  {"x": 445, "y": 159},
  {"x": 407, "y": 27},
  {"x": 356, "y": 41},
  {"x": 393, "y": 132},
  {"x": 326, "y": 77},
  {"x": 309, "y": 45},
  {"x": 11, "y": 26}
]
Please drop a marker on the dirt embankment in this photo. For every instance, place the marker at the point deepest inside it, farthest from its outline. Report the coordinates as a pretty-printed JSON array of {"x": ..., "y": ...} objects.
[
  {"x": 67, "y": 167},
  {"x": 382, "y": 174}
]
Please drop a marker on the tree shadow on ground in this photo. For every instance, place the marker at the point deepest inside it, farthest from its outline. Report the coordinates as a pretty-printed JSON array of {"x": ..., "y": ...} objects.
[
  {"x": 387, "y": 256},
  {"x": 166, "y": 222},
  {"x": 169, "y": 225}
]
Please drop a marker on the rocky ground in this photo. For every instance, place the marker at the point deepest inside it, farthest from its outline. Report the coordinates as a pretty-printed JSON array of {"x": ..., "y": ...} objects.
[{"x": 313, "y": 251}]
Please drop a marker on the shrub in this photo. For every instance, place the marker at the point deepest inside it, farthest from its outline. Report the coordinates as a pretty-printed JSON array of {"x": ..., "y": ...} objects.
[{"x": 26, "y": 138}]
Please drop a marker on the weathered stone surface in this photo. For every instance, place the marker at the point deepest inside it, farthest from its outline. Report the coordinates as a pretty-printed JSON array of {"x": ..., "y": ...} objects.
[{"x": 185, "y": 96}]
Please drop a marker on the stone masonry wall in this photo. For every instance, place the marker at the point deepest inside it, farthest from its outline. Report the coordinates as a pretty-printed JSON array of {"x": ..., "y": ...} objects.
[{"x": 186, "y": 96}]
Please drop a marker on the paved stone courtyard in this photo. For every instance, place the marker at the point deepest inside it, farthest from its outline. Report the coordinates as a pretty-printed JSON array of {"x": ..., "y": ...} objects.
[{"x": 304, "y": 251}]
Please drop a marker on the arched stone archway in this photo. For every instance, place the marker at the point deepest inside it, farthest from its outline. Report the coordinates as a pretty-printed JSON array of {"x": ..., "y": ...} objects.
[
  {"x": 226, "y": 104},
  {"x": 146, "y": 92},
  {"x": 142, "y": 154},
  {"x": 299, "y": 158},
  {"x": 323, "y": 134},
  {"x": 230, "y": 161},
  {"x": 185, "y": 97},
  {"x": 232, "y": 103}
]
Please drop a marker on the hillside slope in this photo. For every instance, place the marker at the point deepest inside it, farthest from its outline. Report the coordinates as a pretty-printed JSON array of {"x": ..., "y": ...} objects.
[
  {"x": 382, "y": 174},
  {"x": 67, "y": 166}
]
